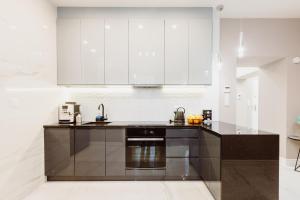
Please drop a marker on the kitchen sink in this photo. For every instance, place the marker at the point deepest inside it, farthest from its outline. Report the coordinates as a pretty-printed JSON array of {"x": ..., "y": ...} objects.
[{"x": 97, "y": 123}]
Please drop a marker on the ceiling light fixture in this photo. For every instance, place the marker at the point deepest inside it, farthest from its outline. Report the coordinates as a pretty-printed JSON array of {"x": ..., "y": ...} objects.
[
  {"x": 220, "y": 62},
  {"x": 241, "y": 49}
]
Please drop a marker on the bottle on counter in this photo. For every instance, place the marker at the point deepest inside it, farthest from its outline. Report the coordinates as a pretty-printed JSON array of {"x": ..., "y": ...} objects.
[{"x": 78, "y": 119}]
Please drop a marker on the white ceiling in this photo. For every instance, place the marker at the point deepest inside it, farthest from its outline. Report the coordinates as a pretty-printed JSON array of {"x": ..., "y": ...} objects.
[{"x": 233, "y": 8}]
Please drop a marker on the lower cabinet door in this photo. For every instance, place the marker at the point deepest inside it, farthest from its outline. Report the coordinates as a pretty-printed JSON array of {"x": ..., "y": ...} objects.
[
  {"x": 182, "y": 147},
  {"x": 183, "y": 167},
  {"x": 115, "y": 152},
  {"x": 59, "y": 151},
  {"x": 89, "y": 152}
]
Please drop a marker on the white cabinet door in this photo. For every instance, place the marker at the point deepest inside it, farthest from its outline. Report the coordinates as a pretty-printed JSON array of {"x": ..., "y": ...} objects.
[
  {"x": 176, "y": 52},
  {"x": 92, "y": 47},
  {"x": 68, "y": 52},
  {"x": 200, "y": 51},
  {"x": 146, "y": 52},
  {"x": 116, "y": 51}
]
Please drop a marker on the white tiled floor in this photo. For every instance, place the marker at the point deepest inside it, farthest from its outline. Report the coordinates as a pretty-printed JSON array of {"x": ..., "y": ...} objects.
[
  {"x": 133, "y": 190},
  {"x": 289, "y": 184},
  {"x": 158, "y": 190}
]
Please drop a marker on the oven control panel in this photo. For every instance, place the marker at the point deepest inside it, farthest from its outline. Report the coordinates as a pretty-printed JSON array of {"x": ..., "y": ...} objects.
[{"x": 145, "y": 132}]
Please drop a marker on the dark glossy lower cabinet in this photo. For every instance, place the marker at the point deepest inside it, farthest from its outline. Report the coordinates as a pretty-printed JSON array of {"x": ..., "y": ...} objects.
[
  {"x": 89, "y": 152},
  {"x": 252, "y": 172},
  {"x": 182, "y": 167},
  {"x": 182, "y": 147},
  {"x": 182, "y": 152},
  {"x": 210, "y": 162},
  {"x": 59, "y": 151},
  {"x": 240, "y": 167},
  {"x": 115, "y": 152}
]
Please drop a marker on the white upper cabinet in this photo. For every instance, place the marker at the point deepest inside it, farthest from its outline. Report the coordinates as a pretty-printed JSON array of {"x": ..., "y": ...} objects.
[
  {"x": 176, "y": 52},
  {"x": 200, "y": 51},
  {"x": 146, "y": 51},
  {"x": 92, "y": 51},
  {"x": 134, "y": 46},
  {"x": 68, "y": 52},
  {"x": 116, "y": 51}
]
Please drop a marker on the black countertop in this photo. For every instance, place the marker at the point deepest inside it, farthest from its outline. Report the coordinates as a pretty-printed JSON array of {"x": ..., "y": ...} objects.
[{"x": 218, "y": 128}]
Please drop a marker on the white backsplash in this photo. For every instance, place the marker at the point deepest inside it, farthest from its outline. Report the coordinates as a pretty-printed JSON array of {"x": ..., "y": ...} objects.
[{"x": 144, "y": 104}]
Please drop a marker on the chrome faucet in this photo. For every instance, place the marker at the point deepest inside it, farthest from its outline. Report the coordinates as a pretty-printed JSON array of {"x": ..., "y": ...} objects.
[
  {"x": 101, "y": 117},
  {"x": 99, "y": 108}
]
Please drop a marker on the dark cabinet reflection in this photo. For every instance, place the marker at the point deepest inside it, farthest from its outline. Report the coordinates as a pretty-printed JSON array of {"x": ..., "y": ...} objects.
[
  {"x": 89, "y": 152},
  {"x": 59, "y": 152},
  {"x": 210, "y": 162}
]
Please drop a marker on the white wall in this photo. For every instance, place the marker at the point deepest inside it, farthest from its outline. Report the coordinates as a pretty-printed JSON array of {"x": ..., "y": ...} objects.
[
  {"x": 28, "y": 92},
  {"x": 228, "y": 44},
  {"x": 272, "y": 101},
  {"x": 279, "y": 103},
  {"x": 293, "y": 106}
]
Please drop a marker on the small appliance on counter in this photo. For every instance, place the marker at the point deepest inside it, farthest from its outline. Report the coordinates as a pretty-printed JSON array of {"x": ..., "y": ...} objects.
[
  {"x": 67, "y": 113},
  {"x": 179, "y": 116},
  {"x": 207, "y": 117}
]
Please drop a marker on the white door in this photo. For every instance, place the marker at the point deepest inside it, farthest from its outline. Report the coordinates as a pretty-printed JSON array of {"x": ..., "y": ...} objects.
[
  {"x": 68, "y": 52},
  {"x": 92, "y": 47},
  {"x": 200, "y": 51},
  {"x": 176, "y": 52},
  {"x": 116, "y": 51},
  {"x": 146, "y": 51}
]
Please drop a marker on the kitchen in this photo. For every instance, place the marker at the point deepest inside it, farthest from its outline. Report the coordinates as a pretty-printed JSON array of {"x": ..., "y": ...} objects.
[{"x": 129, "y": 66}]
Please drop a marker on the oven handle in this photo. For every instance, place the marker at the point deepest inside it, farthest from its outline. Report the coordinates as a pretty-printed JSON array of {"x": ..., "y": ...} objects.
[{"x": 145, "y": 139}]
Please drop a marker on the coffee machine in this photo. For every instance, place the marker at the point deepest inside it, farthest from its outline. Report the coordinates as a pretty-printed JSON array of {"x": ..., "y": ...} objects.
[{"x": 68, "y": 112}]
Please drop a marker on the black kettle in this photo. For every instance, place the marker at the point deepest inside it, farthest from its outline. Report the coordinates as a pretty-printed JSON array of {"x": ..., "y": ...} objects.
[{"x": 179, "y": 115}]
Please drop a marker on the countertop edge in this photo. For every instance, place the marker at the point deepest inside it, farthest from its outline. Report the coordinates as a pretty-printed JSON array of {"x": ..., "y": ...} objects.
[{"x": 217, "y": 128}]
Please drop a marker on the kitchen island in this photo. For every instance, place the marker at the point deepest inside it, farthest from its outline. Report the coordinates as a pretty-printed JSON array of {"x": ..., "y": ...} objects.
[{"x": 234, "y": 162}]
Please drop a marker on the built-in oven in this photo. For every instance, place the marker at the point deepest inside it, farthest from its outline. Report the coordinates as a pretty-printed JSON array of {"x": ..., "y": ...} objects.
[{"x": 145, "y": 150}]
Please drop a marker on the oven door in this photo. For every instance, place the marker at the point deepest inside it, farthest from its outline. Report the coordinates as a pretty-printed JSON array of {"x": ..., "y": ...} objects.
[{"x": 145, "y": 153}]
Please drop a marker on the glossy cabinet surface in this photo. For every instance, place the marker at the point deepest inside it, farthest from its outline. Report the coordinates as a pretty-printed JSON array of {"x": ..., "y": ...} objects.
[
  {"x": 210, "y": 162},
  {"x": 59, "y": 152},
  {"x": 252, "y": 172},
  {"x": 182, "y": 167},
  {"x": 116, "y": 51},
  {"x": 137, "y": 51},
  {"x": 92, "y": 51},
  {"x": 182, "y": 147},
  {"x": 182, "y": 152},
  {"x": 115, "y": 152},
  {"x": 69, "y": 52},
  {"x": 146, "y": 51},
  {"x": 176, "y": 52},
  {"x": 182, "y": 133},
  {"x": 89, "y": 152},
  {"x": 200, "y": 51}
]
